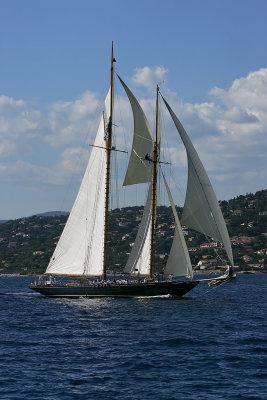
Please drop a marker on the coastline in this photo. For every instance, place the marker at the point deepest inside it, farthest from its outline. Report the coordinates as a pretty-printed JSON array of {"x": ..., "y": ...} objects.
[{"x": 196, "y": 272}]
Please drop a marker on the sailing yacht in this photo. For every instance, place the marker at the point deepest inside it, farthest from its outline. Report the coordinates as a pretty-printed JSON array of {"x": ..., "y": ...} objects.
[{"x": 82, "y": 247}]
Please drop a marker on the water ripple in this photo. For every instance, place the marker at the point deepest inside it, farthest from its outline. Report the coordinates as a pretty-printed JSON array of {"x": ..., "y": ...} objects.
[{"x": 209, "y": 345}]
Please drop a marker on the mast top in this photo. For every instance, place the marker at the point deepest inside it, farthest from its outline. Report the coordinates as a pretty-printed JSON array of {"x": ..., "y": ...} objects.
[{"x": 113, "y": 59}]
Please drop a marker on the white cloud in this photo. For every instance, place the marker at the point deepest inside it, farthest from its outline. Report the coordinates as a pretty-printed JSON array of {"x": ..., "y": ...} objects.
[
  {"x": 7, "y": 102},
  {"x": 149, "y": 77},
  {"x": 71, "y": 121},
  {"x": 72, "y": 163},
  {"x": 229, "y": 132},
  {"x": 176, "y": 156},
  {"x": 245, "y": 104},
  {"x": 19, "y": 126},
  {"x": 246, "y": 92},
  {"x": 235, "y": 144}
]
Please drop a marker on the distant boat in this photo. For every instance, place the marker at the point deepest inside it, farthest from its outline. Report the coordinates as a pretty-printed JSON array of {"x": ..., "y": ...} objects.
[{"x": 82, "y": 247}]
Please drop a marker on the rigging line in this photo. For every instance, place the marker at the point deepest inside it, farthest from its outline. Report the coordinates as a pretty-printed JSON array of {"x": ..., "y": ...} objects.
[
  {"x": 143, "y": 138},
  {"x": 121, "y": 119},
  {"x": 210, "y": 289},
  {"x": 90, "y": 225},
  {"x": 164, "y": 130},
  {"x": 112, "y": 148},
  {"x": 114, "y": 187},
  {"x": 141, "y": 159},
  {"x": 171, "y": 177},
  {"x": 122, "y": 125},
  {"x": 113, "y": 169},
  {"x": 116, "y": 181},
  {"x": 167, "y": 150},
  {"x": 164, "y": 138},
  {"x": 137, "y": 255}
]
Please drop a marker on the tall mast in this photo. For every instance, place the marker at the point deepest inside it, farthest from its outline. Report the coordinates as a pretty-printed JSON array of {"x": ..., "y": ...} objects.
[
  {"x": 108, "y": 153},
  {"x": 154, "y": 187}
]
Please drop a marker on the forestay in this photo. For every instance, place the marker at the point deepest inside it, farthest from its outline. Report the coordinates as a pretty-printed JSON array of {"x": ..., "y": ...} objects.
[
  {"x": 201, "y": 208},
  {"x": 140, "y": 168},
  {"x": 80, "y": 248}
]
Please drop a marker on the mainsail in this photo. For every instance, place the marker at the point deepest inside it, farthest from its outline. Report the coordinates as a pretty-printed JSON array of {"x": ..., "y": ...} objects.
[
  {"x": 80, "y": 247},
  {"x": 201, "y": 208},
  {"x": 139, "y": 168}
]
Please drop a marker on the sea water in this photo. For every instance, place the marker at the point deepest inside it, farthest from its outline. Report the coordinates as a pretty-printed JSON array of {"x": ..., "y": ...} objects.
[{"x": 211, "y": 344}]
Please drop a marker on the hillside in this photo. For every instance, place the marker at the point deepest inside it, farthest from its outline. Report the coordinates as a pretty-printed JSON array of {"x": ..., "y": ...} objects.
[{"x": 27, "y": 244}]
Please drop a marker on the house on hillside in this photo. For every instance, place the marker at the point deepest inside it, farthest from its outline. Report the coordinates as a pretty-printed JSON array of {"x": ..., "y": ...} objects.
[
  {"x": 237, "y": 212},
  {"x": 246, "y": 258},
  {"x": 12, "y": 244},
  {"x": 38, "y": 253}
]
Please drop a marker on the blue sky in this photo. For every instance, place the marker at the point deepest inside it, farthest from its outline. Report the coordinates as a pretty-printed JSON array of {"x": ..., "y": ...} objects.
[{"x": 209, "y": 57}]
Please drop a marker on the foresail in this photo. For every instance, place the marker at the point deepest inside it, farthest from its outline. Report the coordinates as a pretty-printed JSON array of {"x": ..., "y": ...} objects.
[
  {"x": 139, "y": 168},
  {"x": 179, "y": 263},
  {"x": 201, "y": 208},
  {"x": 138, "y": 261},
  {"x": 80, "y": 247}
]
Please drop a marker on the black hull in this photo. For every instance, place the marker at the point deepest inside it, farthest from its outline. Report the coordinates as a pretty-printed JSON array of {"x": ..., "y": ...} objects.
[{"x": 117, "y": 290}]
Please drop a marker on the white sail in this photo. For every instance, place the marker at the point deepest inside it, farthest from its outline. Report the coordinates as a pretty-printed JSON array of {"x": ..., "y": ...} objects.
[
  {"x": 201, "y": 209},
  {"x": 179, "y": 263},
  {"x": 139, "y": 259},
  {"x": 139, "y": 168},
  {"x": 80, "y": 247}
]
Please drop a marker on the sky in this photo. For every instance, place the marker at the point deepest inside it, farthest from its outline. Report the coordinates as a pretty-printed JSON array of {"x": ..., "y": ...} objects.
[{"x": 209, "y": 58}]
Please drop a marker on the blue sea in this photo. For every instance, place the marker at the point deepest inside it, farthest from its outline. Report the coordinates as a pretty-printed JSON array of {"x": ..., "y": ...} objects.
[{"x": 211, "y": 344}]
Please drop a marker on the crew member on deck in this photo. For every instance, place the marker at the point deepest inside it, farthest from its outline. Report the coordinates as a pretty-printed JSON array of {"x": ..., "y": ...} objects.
[{"x": 230, "y": 270}]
